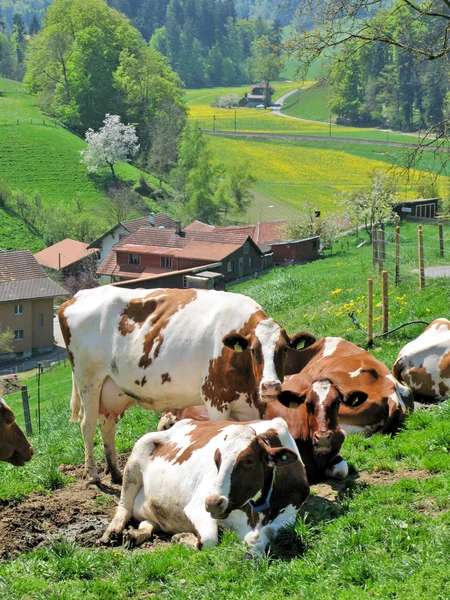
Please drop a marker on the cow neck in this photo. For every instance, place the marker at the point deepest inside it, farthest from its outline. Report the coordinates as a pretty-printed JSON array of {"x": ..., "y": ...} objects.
[{"x": 266, "y": 494}]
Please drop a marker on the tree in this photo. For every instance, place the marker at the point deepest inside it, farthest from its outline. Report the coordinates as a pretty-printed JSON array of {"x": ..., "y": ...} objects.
[
  {"x": 227, "y": 101},
  {"x": 373, "y": 205},
  {"x": 234, "y": 191},
  {"x": 111, "y": 143},
  {"x": 200, "y": 189},
  {"x": 35, "y": 25},
  {"x": 6, "y": 341},
  {"x": 123, "y": 204},
  {"x": 266, "y": 64},
  {"x": 309, "y": 225}
]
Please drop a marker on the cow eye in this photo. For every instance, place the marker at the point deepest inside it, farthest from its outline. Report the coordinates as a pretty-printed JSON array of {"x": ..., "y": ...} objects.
[
  {"x": 285, "y": 349},
  {"x": 355, "y": 399},
  {"x": 248, "y": 462}
]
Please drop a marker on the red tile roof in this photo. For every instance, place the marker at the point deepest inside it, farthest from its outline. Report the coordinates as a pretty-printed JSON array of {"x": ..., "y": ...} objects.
[
  {"x": 198, "y": 250},
  {"x": 269, "y": 231},
  {"x": 199, "y": 226},
  {"x": 63, "y": 254}
]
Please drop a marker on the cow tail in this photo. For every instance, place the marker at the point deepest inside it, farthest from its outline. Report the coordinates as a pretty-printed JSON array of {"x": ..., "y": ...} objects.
[{"x": 75, "y": 403}]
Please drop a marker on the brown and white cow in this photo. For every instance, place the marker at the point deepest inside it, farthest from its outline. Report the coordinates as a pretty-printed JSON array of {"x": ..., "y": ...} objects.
[
  {"x": 14, "y": 446},
  {"x": 311, "y": 414},
  {"x": 372, "y": 400},
  {"x": 168, "y": 348},
  {"x": 424, "y": 363},
  {"x": 201, "y": 476}
]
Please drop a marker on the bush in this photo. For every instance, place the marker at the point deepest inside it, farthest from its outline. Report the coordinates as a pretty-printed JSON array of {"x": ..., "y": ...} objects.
[{"x": 227, "y": 101}]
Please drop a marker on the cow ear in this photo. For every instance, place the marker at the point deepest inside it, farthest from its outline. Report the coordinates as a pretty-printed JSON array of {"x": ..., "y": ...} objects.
[
  {"x": 235, "y": 342},
  {"x": 281, "y": 457},
  {"x": 290, "y": 399},
  {"x": 302, "y": 339},
  {"x": 6, "y": 414}
]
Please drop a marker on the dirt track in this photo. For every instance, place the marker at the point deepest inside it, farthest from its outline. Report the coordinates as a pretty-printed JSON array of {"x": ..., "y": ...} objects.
[{"x": 80, "y": 514}]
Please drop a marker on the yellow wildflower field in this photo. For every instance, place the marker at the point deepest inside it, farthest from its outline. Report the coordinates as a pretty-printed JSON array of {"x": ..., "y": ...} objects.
[{"x": 295, "y": 175}]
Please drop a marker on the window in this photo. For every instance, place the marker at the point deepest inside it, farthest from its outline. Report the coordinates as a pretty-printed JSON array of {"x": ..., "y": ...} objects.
[
  {"x": 230, "y": 266},
  {"x": 250, "y": 261},
  {"x": 166, "y": 261},
  {"x": 185, "y": 282},
  {"x": 246, "y": 247},
  {"x": 134, "y": 259},
  {"x": 18, "y": 309},
  {"x": 40, "y": 320},
  {"x": 18, "y": 335}
]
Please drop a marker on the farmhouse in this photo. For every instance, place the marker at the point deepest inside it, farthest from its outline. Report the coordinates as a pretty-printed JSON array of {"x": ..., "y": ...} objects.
[
  {"x": 261, "y": 93},
  {"x": 150, "y": 252},
  {"x": 109, "y": 239},
  {"x": 68, "y": 257},
  {"x": 26, "y": 303}
]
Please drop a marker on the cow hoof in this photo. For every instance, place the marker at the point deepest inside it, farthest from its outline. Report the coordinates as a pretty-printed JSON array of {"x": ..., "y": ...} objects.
[
  {"x": 110, "y": 538},
  {"x": 116, "y": 477},
  {"x": 129, "y": 539},
  {"x": 93, "y": 482},
  {"x": 186, "y": 539}
]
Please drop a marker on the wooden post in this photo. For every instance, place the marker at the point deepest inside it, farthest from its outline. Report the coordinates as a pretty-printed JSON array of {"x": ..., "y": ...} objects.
[
  {"x": 380, "y": 250},
  {"x": 374, "y": 246},
  {"x": 421, "y": 261},
  {"x": 26, "y": 410},
  {"x": 369, "y": 312},
  {"x": 396, "y": 220},
  {"x": 385, "y": 300},
  {"x": 214, "y": 122},
  {"x": 39, "y": 395},
  {"x": 234, "y": 120},
  {"x": 441, "y": 240},
  {"x": 397, "y": 255}
]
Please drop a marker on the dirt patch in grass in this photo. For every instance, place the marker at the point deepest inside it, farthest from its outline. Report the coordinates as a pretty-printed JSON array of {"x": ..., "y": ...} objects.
[{"x": 80, "y": 513}]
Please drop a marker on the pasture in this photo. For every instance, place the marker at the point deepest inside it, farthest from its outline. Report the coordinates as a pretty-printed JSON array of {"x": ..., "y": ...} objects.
[
  {"x": 309, "y": 103},
  {"x": 383, "y": 533}
]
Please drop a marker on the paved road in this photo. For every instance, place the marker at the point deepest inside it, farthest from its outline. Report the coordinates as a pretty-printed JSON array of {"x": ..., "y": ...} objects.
[
  {"x": 26, "y": 364},
  {"x": 312, "y": 138},
  {"x": 432, "y": 272}
]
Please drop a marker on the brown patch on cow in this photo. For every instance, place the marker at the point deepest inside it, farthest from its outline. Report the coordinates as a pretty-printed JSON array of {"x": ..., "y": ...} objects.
[
  {"x": 142, "y": 382},
  {"x": 443, "y": 389},
  {"x": 135, "y": 314},
  {"x": 437, "y": 323},
  {"x": 421, "y": 381},
  {"x": 199, "y": 437},
  {"x": 136, "y": 381},
  {"x": 65, "y": 329},
  {"x": 165, "y": 377},
  {"x": 14, "y": 446},
  {"x": 218, "y": 459},
  {"x": 231, "y": 374},
  {"x": 166, "y": 306},
  {"x": 444, "y": 366}
]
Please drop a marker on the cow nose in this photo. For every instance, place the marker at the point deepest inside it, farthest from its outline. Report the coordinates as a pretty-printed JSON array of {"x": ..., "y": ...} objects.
[
  {"x": 31, "y": 450},
  {"x": 270, "y": 388},
  {"x": 216, "y": 505},
  {"x": 322, "y": 438}
]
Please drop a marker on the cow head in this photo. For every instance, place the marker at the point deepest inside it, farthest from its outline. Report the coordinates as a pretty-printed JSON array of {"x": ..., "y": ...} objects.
[
  {"x": 245, "y": 463},
  {"x": 317, "y": 406},
  {"x": 14, "y": 446},
  {"x": 267, "y": 345}
]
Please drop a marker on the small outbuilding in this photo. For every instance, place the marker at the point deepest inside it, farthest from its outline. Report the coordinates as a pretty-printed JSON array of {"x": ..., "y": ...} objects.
[
  {"x": 68, "y": 257},
  {"x": 418, "y": 209}
]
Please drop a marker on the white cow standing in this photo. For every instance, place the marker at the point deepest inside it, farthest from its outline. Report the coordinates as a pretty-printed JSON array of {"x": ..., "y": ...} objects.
[
  {"x": 168, "y": 348},
  {"x": 200, "y": 476}
]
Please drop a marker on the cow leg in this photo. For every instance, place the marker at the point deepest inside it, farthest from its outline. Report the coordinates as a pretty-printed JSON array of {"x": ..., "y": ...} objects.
[
  {"x": 132, "y": 483},
  {"x": 108, "y": 429},
  {"x": 337, "y": 468},
  {"x": 91, "y": 399},
  {"x": 136, "y": 537},
  {"x": 206, "y": 527},
  {"x": 258, "y": 539}
]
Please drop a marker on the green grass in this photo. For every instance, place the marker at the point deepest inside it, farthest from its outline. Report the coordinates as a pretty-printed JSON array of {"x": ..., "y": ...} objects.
[
  {"x": 15, "y": 234},
  {"x": 389, "y": 540},
  {"x": 37, "y": 154},
  {"x": 309, "y": 103}
]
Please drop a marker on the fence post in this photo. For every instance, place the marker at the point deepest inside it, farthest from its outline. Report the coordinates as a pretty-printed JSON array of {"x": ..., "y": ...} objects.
[
  {"x": 421, "y": 260},
  {"x": 397, "y": 255},
  {"x": 369, "y": 312},
  {"x": 214, "y": 122},
  {"x": 385, "y": 300},
  {"x": 374, "y": 246},
  {"x": 380, "y": 250},
  {"x": 26, "y": 410},
  {"x": 396, "y": 220},
  {"x": 441, "y": 240},
  {"x": 39, "y": 395},
  {"x": 234, "y": 120}
]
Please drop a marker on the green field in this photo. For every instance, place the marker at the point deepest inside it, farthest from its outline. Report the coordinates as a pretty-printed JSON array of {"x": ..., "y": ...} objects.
[
  {"x": 291, "y": 173},
  {"x": 383, "y": 534},
  {"x": 309, "y": 103}
]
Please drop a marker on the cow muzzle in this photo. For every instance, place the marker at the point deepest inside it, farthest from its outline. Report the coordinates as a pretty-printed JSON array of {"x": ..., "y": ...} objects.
[
  {"x": 322, "y": 442},
  {"x": 216, "y": 506},
  {"x": 270, "y": 391}
]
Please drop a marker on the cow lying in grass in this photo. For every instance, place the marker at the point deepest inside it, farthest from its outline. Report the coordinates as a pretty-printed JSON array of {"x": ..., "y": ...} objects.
[
  {"x": 372, "y": 400},
  {"x": 311, "y": 414},
  {"x": 201, "y": 476},
  {"x": 14, "y": 446},
  {"x": 424, "y": 363}
]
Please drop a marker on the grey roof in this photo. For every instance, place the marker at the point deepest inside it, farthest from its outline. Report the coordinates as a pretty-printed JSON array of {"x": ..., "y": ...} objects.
[
  {"x": 30, "y": 289},
  {"x": 19, "y": 264}
]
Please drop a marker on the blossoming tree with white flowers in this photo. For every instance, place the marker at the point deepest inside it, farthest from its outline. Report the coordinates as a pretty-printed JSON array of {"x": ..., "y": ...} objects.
[{"x": 113, "y": 142}]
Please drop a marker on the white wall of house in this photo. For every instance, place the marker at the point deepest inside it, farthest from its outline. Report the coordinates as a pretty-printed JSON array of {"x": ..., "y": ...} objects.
[{"x": 111, "y": 240}]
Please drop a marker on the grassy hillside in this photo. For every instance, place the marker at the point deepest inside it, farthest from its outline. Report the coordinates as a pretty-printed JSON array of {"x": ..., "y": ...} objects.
[
  {"x": 36, "y": 154},
  {"x": 308, "y": 103},
  {"x": 293, "y": 173},
  {"x": 381, "y": 534}
]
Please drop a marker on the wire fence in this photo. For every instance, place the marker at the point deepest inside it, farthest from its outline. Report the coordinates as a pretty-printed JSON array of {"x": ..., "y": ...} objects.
[{"x": 30, "y": 121}]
